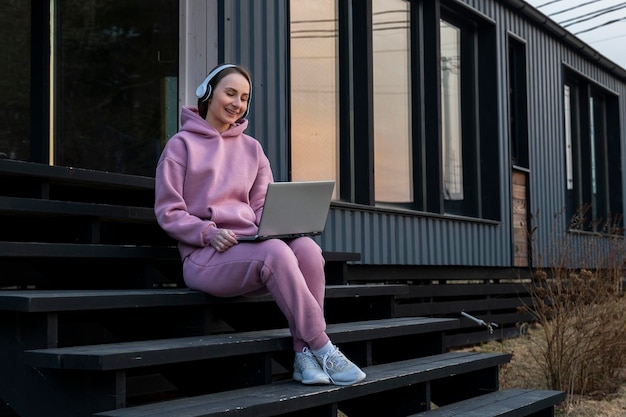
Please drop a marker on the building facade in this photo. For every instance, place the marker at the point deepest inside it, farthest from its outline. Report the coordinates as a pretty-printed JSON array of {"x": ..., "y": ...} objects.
[{"x": 460, "y": 133}]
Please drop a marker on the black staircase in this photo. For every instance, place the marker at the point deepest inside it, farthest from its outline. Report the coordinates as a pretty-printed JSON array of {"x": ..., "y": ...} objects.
[{"x": 95, "y": 321}]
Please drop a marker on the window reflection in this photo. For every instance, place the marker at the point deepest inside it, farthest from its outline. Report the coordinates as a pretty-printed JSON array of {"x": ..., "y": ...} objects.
[
  {"x": 117, "y": 74},
  {"x": 592, "y": 158},
  {"x": 593, "y": 162},
  {"x": 15, "y": 81},
  {"x": 567, "y": 109},
  {"x": 314, "y": 91},
  {"x": 392, "y": 131},
  {"x": 452, "y": 155}
]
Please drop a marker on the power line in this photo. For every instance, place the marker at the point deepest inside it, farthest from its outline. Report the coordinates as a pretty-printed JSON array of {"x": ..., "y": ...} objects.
[
  {"x": 592, "y": 15},
  {"x": 585, "y": 16},
  {"x": 548, "y": 3},
  {"x": 602, "y": 25},
  {"x": 574, "y": 8}
]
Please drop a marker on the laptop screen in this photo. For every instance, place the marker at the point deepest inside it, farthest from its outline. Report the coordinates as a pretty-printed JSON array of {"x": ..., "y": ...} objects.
[{"x": 293, "y": 209}]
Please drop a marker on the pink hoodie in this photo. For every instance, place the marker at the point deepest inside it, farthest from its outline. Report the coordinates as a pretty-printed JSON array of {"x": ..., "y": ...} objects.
[{"x": 205, "y": 181}]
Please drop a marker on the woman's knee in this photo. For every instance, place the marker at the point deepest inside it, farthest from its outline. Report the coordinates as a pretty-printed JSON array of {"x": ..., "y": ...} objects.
[
  {"x": 307, "y": 251},
  {"x": 276, "y": 251},
  {"x": 305, "y": 246}
]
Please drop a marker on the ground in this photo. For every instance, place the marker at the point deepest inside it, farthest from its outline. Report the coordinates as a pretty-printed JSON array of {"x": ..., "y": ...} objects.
[{"x": 524, "y": 372}]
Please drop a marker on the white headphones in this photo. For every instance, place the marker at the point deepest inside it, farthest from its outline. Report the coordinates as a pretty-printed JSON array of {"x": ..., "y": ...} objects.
[
  {"x": 202, "y": 88},
  {"x": 205, "y": 89}
]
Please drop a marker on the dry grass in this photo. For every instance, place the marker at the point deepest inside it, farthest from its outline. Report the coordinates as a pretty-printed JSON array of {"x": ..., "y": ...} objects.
[{"x": 524, "y": 371}]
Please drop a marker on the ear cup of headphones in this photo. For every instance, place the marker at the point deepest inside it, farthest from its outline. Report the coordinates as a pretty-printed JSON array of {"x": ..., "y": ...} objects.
[
  {"x": 204, "y": 89},
  {"x": 201, "y": 91}
]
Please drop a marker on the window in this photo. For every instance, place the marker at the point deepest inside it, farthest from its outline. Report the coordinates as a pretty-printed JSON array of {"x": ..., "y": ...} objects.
[
  {"x": 116, "y": 78},
  {"x": 468, "y": 103},
  {"x": 593, "y": 174},
  {"x": 518, "y": 113},
  {"x": 451, "y": 128},
  {"x": 412, "y": 83},
  {"x": 314, "y": 90},
  {"x": 90, "y": 84},
  {"x": 392, "y": 102},
  {"x": 15, "y": 35}
]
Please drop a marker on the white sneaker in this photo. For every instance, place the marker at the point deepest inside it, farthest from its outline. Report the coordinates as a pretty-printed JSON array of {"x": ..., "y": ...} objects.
[
  {"x": 340, "y": 369},
  {"x": 307, "y": 370}
]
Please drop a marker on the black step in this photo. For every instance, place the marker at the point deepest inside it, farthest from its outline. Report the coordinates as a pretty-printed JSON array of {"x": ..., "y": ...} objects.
[
  {"x": 75, "y": 300},
  {"x": 87, "y": 251},
  {"x": 39, "y": 207},
  {"x": 71, "y": 175},
  {"x": 503, "y": 403},
  {"x": 287, "y": 397},
  {"x": 129, "y": 355}
]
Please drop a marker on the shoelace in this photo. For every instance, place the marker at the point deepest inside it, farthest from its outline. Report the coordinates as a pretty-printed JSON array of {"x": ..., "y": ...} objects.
[
  {"x": 334, "y": 360},
  {"x": 307, "y": 360}
]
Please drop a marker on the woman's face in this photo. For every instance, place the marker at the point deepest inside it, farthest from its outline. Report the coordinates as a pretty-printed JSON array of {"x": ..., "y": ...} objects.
[{"x": 228, "y": 102}]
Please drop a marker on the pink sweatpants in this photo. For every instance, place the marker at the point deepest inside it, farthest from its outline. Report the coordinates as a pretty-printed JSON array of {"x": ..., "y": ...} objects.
[{"x": 291, "y": 271}]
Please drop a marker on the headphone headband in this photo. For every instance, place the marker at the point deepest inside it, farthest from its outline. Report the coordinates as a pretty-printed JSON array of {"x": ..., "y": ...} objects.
[
  {"x": 203, "y": 92},
  {"x": 204, "y": 88}
]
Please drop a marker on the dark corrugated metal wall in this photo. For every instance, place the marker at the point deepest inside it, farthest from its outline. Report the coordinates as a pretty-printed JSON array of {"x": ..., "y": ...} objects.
[
  {"x": 546, "y": 58},
  {"x": 256, "y": 35},
  {"x": 400, "y": 239}
]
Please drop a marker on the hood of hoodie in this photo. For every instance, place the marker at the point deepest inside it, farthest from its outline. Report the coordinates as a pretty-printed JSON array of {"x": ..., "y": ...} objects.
[{"x": 190, "y": 121}]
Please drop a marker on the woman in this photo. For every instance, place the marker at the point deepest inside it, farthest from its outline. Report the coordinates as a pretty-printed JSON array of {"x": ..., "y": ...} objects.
[{"x": 211, "y": 182}]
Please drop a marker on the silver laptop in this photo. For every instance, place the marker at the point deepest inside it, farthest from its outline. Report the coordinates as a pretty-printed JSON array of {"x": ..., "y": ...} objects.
[{"x": 294, "y": 209}]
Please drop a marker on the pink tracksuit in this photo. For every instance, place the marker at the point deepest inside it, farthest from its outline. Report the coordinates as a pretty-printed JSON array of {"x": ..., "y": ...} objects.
[{"x": 206, "y": 180}]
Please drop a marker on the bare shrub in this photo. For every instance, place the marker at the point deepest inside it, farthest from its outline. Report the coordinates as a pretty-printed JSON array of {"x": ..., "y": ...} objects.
[{"x": 579, "y": 306}]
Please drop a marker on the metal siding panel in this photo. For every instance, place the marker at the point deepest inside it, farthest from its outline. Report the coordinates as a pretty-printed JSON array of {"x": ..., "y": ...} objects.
[
  {"x": 460, "y": 229},
  {"x": 548, "y": 181},
  {"x": 256, "y": 37},
  {"x": 443, "y": 256},
  {"x": 468, "y": 249},
  {"x": 372, "y": 242},
  {"x": 456, "y": 244},
  {"x": 378, "y": 237},
  {"x": 475, "y": 239},
  {"x": 451, "y": 252},
  {"x": 393, "y": 238},
  {"x": 534, "y": 124},
  {"x": 505, "y": 151}
]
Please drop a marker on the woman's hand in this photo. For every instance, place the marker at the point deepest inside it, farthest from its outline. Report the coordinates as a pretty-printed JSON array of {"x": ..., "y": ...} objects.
[{"x": 224, "y": 239}]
